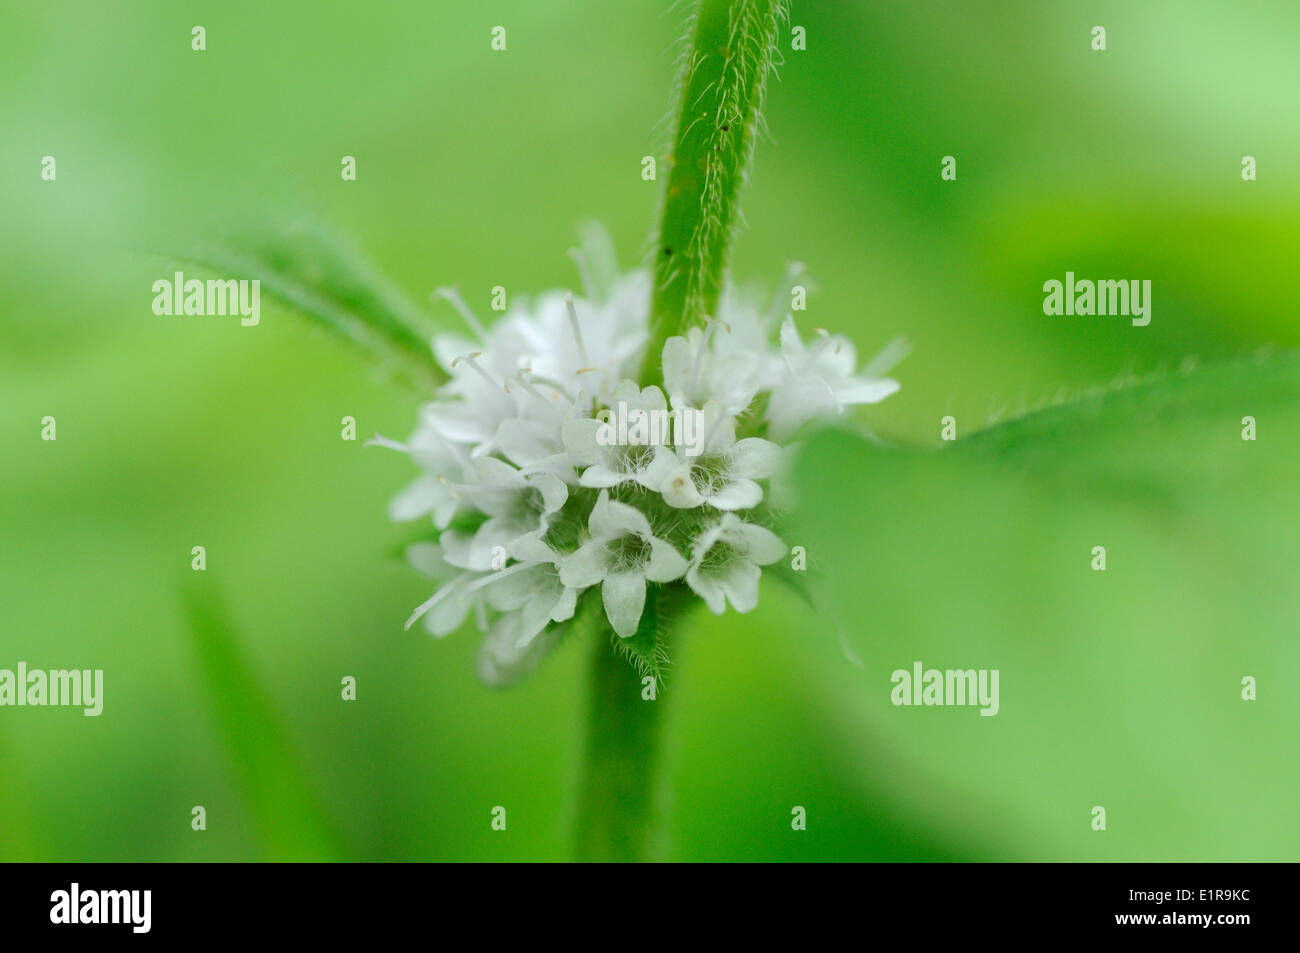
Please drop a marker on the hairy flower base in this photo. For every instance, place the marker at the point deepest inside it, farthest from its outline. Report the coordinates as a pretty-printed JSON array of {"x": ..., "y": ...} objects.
[{"x": 540, "y": 506}]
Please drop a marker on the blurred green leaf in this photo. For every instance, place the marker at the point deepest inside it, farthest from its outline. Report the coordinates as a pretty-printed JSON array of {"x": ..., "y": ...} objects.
[
  {"x": 322, "y": 274},
  {"x": 1120, "y": 688},
  {"x": 274, "y": 784},
  {"x": 17, "y": 841}
]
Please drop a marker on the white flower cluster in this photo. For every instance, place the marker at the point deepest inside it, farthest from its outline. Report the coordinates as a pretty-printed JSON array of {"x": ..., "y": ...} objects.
[{"x": 533, "y": 508}]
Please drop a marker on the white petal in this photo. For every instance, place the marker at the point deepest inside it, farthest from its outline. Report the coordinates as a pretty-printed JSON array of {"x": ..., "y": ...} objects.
[
  {"x": 525, "y": 441},
  {"x": 510, "y": 649},
  {"x": 427, "y": 560},
  {"x": 740, "y": 582},
  {"x": 791, "y": 344},
  {"x": 610, "y": 518},
  {"x": 444, "y": 510},
  {"x": 863, "y": 390},
  {"x": 565, "y": 605},
  {"x": 444, "y": 612},
  {"x": 530, "y": 548},
  {"x": 601, "y": 477},
  {"x": 496, "y": 472},
  {"x": 580, "y": 439},
  {"x": 735, "y": 377},
  {"x": 762, "y": 546},
  {"x": 627, "y": 392},
  {"x": 652, "y": 398},
  {"x": 624, "y": 596},
  {"x": 417, "y": 499},
  {"x": 836, "y": 359},
  {"x": 586, "y": 566},
  {"x": 678, "y": 362},
  {"x": 737, "y": 495},
  {"x": 665, "y": 563},
  {"x": 662, "y": 463},
  {"x": 796, "y": 401},
  {"x": 459, "y": 422},
  {"x": 707, "y": 588},
  {"x": 718, "y": 427},
  {"x": 506, "y": 592},
  {"x": 554, "y": 492},
  {"x": 448, "y": 616},
  {"x": 754, "y": 458},
  {"x": 679, "y": 489},
  {"x": 704, "y": 542},
  {"x": 534, "y": 616},
  {"x": 455, "y": 548}
]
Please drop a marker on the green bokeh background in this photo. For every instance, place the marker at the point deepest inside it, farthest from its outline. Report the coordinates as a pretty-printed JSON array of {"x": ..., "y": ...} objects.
[{"x": 476, "y": 168}]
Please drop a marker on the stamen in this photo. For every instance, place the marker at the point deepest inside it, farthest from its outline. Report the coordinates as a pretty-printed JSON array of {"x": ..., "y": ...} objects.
[
  {"x": 527, "y": 385},
  {"x": 378, "y": 440},
  {"x": 428, "y": 604},
  {"x": 497, "y": 574},
  {"x": 452, "y": 297},
  {"x": 469, "y": 359},
  {"x": 577, "y": 331}
]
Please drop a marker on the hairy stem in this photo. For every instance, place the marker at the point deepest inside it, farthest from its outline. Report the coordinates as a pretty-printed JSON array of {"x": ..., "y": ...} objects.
[
  {"x": 620, "y": 790},
  {"x": 718, "y": 100}
]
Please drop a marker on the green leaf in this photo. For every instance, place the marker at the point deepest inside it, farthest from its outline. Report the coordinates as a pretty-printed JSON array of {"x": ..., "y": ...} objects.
[
  {"x": 275, "y": 786},
  {"x": 718, "y": 100},
  {"x": 1119, "y": 688},
  {"x": 322, "y": 275}
]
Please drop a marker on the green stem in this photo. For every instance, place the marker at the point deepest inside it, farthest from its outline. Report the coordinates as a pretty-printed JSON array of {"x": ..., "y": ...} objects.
[
  {"x": 617, "y": 797},
  {"x": 719, "y": 95},
  {"x": 620, "y": 795}
]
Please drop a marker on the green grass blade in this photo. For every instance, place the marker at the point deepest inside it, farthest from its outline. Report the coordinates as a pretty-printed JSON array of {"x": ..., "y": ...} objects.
[{"x": 291, "y": 820}]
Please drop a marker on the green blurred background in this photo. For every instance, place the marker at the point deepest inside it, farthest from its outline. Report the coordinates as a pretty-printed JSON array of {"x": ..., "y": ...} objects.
[{"x": 476, "y": 168}]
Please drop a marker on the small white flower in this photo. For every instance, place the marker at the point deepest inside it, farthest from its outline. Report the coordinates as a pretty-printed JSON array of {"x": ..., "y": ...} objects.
[
  {"x": 724, "y": 475},
  {"x": 446, "y": 610},
  {"x": 537, "y": 591},
  {"x": 530, "y": 595},
  {"x": 819, "y": 381},
  {"x": 515, "y": 503},
  {"x": 696, "y": 372},
  {"x": 621, "y": 555},
  {"x": 511, "y": 451},
  {"x": 725, "y": 560},
  {"x": 511, "y": 649},
  {"x": 430, "y": 493},
  {"x": 610, "y": 464}
]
